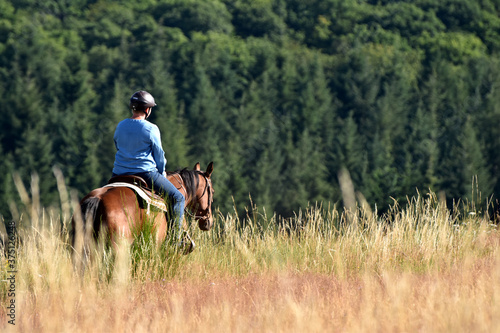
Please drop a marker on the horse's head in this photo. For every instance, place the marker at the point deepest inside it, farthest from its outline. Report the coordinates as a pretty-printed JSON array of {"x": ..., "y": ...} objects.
[{"x": 204, "y": 197}]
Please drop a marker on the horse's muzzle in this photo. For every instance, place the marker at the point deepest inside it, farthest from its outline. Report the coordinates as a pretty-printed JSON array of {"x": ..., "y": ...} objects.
[{"x": 205, "y": 223}]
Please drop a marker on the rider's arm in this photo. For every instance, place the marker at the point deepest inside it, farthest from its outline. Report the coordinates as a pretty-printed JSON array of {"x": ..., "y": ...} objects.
[{"x": 158, "y": 153}]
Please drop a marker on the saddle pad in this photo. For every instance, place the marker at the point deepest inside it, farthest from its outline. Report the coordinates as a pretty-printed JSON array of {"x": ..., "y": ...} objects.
[{"x": 158, "y": 203}]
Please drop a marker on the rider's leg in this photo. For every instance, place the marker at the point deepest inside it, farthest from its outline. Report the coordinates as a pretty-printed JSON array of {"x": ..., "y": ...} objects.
[{"x": 175, "y": 201}]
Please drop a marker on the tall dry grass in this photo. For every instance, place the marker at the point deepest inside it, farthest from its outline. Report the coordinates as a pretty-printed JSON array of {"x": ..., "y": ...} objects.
[{"x": 422, "y": 267}]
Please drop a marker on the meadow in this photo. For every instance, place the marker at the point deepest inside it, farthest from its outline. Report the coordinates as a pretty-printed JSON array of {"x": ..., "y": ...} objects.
[{"x": 421, "y": 267}]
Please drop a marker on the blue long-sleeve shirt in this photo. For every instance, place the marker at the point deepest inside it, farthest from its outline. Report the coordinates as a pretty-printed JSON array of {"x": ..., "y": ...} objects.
[{"x": 139, "y": 149}]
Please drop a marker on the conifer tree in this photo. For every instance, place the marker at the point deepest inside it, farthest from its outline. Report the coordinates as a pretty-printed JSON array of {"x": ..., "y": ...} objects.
[
  {"x": 475, "y": 165},
  {"x": 348, "y": 151},
  {"x": 451, "y": 121},
  {"x": 169, "y": 114},
  {"x": 268, "y": 180},
  {"x": 258, "y": 126},
  {"x": 421, "y": 151}
]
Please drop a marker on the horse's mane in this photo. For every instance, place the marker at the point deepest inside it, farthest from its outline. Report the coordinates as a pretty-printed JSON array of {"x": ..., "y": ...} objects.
[{"x": 190, "y": 179}]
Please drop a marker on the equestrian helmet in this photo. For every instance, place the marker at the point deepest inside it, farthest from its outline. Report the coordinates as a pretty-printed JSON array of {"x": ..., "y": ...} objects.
[{"x": 141, "y": 100}]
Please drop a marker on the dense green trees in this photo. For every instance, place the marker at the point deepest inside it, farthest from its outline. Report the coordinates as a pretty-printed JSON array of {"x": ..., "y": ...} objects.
[{"x": 280, "y": 94}]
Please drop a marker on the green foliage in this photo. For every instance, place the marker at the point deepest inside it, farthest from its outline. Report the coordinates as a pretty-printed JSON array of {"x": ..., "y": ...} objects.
[
  {"x": 194, "y": 15},
  {"x": 256, "y": 18},
  {"x": 280, "y": 94}
]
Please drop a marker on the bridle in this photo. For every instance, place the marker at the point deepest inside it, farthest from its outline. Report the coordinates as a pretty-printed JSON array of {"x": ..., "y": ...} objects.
[{"x": 208, "y": 188}]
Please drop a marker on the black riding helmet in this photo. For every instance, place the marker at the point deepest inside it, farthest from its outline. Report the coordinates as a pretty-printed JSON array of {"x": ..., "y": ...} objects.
[{"x": 141, "y": 100}]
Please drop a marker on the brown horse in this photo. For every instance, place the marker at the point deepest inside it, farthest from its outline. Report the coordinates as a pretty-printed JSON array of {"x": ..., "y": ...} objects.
[{"x": 118, "y": 211}]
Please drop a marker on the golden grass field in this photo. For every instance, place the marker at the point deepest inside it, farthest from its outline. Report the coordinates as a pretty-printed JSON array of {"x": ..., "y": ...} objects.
[{"x": 420, "y": 268}]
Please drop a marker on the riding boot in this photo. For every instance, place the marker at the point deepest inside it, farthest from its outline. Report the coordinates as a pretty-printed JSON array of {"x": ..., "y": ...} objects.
[
  {"x": 176, "y": 235},
  {"x": 173, "y": 232},
  {"x": 186, "y": 244}
]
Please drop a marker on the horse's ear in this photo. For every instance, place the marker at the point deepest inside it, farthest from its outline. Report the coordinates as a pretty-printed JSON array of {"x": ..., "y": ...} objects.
[
  {"x": 197, "y": 167},
  {"x": 210, "y": 169}
]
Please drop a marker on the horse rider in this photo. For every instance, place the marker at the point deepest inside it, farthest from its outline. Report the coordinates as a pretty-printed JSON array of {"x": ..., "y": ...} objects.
[{"x": 140, "y": 153}]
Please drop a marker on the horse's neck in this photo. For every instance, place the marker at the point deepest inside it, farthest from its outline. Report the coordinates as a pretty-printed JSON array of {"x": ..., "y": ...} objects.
[{"x": 178, "y": 182}]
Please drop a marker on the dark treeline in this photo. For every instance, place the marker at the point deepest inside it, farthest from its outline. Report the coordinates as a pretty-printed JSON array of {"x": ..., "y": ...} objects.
[{"x": 280, "y": 94}]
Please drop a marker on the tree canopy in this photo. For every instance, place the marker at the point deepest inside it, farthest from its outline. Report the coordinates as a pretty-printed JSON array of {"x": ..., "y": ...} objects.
[{"x": 280, "y": 94}]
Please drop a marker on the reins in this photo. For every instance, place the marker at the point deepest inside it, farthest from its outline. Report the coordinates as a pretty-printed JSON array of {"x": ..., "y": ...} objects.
[{"x": 181, "y": 183}]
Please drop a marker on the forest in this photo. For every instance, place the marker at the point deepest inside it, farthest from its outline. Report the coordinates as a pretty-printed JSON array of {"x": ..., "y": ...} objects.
[{"x": 282, "y": 95}]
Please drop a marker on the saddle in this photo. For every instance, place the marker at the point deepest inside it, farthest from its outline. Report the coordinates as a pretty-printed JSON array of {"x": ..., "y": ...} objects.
[
  {"x": 131, "y": 179},
  {"x": 143, "y": 191},
  {"x": 141, "y": 188}
]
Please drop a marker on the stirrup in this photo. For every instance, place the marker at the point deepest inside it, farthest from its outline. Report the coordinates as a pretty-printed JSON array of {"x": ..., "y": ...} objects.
[{"x": 186, "y": 244}]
